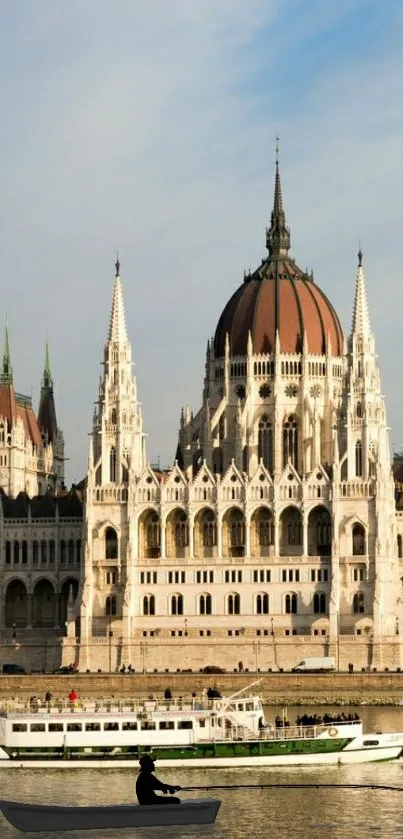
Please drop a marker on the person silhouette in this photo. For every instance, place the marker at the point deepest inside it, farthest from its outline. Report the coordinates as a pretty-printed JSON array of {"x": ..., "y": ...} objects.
[{"x": 147, "y": 783}]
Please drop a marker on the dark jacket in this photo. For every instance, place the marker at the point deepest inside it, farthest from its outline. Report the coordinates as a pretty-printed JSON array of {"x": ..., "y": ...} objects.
[{"x": 146, "y": 785}]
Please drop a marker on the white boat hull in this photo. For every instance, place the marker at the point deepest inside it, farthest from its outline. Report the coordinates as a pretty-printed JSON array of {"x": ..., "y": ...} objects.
[
  {"x": 347, "y": 756},
  {"x": 30, "y": 818}
]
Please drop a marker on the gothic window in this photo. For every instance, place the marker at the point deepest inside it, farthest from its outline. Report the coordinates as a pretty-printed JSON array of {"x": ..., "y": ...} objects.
[
  {"x": 78, "y": 551},
  {"x": 209, "y": 530},
  {"x": 62, "y": 552},
  {"x": 115, "y": 376},
  {"x": 262, "y": 604},
  {"x": 113, "y": 416},
  {"x": 266, "y": 532},
  {"x": 112, "y": 465},
  {"x": 181, "y": 531},
  {"x": 290, "y": 442},
  {"x": 324, "y": 533},
  {"x": 52, "y": 551},
  {"x": 8, "y": 553},
  {"x": 149, "y": 604},
  {"x": 240, "y": 391},
  {"x": 265, "y": 442},
  {"x": 237, "y": 533},
  {"x": 234, "y": 604},
  {"x": 154, "y": 532},
  {"x": 205, "y": 604},
  {"x": 43, "y": 551},
  {"x": 16, "y": 553},
  {"x": 358, "y": 534},
  {"x": 265, "y": 391},
  {"x": 111, "y": 543},
  {"x": 177, "y": 604},
  {"x": 290, "y": 604},
  {"x": 358, "y": 459},
  {"x": 24, "y": 547},
  {"x": 359, "y": 410},
  {"x": 319, "y": 603},
  {"x": 399, "y": 546},
  {"x": 35, "y": 552},
  {"x": 71, "y": 552},
  {"x": 358, "y": 603},
  {"x": 110, "y": 606}
]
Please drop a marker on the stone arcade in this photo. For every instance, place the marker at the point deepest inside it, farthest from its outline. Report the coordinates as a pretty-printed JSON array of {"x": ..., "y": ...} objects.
[{"x": 275, "y": 535}]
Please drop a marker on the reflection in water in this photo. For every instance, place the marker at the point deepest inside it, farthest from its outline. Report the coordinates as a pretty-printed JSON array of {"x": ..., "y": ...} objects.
[{"x": 275, "y": 814}]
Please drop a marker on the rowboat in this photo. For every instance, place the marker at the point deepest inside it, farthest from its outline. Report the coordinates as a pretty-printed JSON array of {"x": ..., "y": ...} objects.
[{"x": 30, "y": 818}]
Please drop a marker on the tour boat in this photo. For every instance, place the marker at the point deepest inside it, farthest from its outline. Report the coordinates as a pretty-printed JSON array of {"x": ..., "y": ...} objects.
[
  {"x": 30, "y": 818},
  {"x": 222, "y": 731}
]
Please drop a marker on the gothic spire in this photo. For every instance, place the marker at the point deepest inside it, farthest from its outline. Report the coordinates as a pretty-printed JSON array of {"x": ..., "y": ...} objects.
[
  {"x": 361, "y": 323},
  {"x": 117, "y": 324},
  {"x": 47, "y": 381},
  {"x": 278, "y": 234},
  {"x": 6, "y": 376}
]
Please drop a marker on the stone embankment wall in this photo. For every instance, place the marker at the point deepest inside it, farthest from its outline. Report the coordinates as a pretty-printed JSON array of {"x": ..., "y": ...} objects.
[{"x": 275, "y": 688}]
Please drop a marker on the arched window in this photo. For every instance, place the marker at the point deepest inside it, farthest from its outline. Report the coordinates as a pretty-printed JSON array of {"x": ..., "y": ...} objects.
[
  {"x": 262, "y": 604},
  {"x": 234, "y": 604},
  {"x": 358, "y": 459},
  {"x": 205, "y": 604},
  {"x": 177, "y": 604},
  {"x": 112, "y": 465},
  {"x": 62, "y": 552},
  {"x": 265, "y": 442},
  {"x": 237, "y": 533},
  {"x": 290, "y": 442},
  {"x": 149, "y": 604},
  {"x": 17, "y": 552},
  {"x": 181, "y": 531},
  {"x": 266, "y": 531},
  {"x": 78, "y": 551},
  {"x": 35, "y": 552},
  {"x": 290, "y": 603},
  {"x": 110, "y": 606},
  {"x": 113, "y": 416},
  {"x": 43, "y": 551},
  {"x": 358, "y": 540},
  {"x": 8, "y": 553},
  {"x": 24, "y": 552},
  {"x": 399, "y": 546},
  {"x": 71, "y": 551},
  {"x": 319, "y": 603},
  {"x": 209, "y": 534},
  {"x": 111, "y": 543},
  {"x": 358, "y": 603},
  {"x": 153, "y": 532},
  {"x": 359, "y": 410},
  {"x": 52, "y": 551}
]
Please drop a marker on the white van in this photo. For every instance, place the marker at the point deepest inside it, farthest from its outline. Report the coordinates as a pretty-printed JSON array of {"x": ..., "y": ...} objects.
[{"x": 323, "y": 664}]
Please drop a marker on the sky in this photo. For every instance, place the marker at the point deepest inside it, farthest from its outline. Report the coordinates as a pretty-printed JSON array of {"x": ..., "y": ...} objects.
[{"x": 148, "y": 127}]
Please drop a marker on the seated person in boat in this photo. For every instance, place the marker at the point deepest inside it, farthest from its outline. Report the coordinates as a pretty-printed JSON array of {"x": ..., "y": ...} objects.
[{"x": 147, "y": 783}]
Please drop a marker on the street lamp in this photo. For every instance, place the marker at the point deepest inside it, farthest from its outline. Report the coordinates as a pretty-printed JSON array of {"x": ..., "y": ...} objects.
[
  {"x": 144, "y": 653},
  {"x": 110, "y": 636},
  {"x": 256, "y": 650}
]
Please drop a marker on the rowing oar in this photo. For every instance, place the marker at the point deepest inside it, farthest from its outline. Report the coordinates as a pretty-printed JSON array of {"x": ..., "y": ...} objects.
[{"x": 293, "y": 786}]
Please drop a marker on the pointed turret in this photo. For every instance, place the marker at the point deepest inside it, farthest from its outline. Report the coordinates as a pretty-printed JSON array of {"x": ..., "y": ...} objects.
[
  {"x": 117, "y": 324},
  {"x": 361, "y": 325},
  {"x": 6, "y": 376},
  {"x": 278, "y": 234},
  {"x": 47, "y": 422}
]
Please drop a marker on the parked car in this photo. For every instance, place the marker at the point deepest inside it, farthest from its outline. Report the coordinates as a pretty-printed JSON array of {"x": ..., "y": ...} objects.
[
  {"x": 212, "y": 668},
  {"x": 13, "y": 669}
]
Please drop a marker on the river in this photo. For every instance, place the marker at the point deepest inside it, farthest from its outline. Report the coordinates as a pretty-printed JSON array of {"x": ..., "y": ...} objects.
[{"x": 257, "y": 814}]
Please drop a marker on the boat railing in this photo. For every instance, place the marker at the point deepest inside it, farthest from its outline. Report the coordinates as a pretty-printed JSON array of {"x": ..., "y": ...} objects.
[
  {"x": 270, "y": 732},
  {"x": 145, "y": 707}
]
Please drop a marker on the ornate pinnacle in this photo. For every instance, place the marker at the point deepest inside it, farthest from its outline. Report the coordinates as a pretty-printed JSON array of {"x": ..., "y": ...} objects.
[{"x": 278, "y": 234}]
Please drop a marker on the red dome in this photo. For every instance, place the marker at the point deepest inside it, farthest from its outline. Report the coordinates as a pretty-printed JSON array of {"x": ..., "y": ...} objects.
[{"x": 278, "y": 296}]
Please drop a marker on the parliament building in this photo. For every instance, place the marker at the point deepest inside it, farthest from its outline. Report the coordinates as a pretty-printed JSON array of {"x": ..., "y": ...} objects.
[{"x": 276, "y": 534}]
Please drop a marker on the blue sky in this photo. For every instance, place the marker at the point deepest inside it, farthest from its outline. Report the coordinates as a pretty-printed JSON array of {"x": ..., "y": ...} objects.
[{"x": 149, "y": 126}]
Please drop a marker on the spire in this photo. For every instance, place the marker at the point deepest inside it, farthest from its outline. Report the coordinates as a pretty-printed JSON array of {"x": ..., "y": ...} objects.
[
  {"x": 6, "y": 376},
  {"x": 117, "y": 324},
  {"x": 278, "y": 234},
  {"x": 47, "y": 381},
  {"x": 361, "y": 324}
]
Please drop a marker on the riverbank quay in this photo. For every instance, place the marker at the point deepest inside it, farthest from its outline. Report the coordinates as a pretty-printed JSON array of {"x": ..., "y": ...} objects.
[{"x": 291, "y": 689}]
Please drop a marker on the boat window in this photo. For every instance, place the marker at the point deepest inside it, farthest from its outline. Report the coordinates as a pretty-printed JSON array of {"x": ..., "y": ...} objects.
[
  {"x": 166, "y": 725},
  {"x": 74, "y": 726},
  {"x": 93, "y": 726},
  {"x": 240, "y": 706},
  {"x": 371, "y": 742},
  {"x": 202, "y": 723},
  {"x": 55, "y": 726},
  {"x": 249, "y": 706},
  {"x": 20, "y": 726},
  {"x": 185, "y": 724},
  {"x": 148, "y": 726},
  {"x": 111, "y": 726},
  {"x": 129, "y": 726},
  {"x": 37, "y": 726}
]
